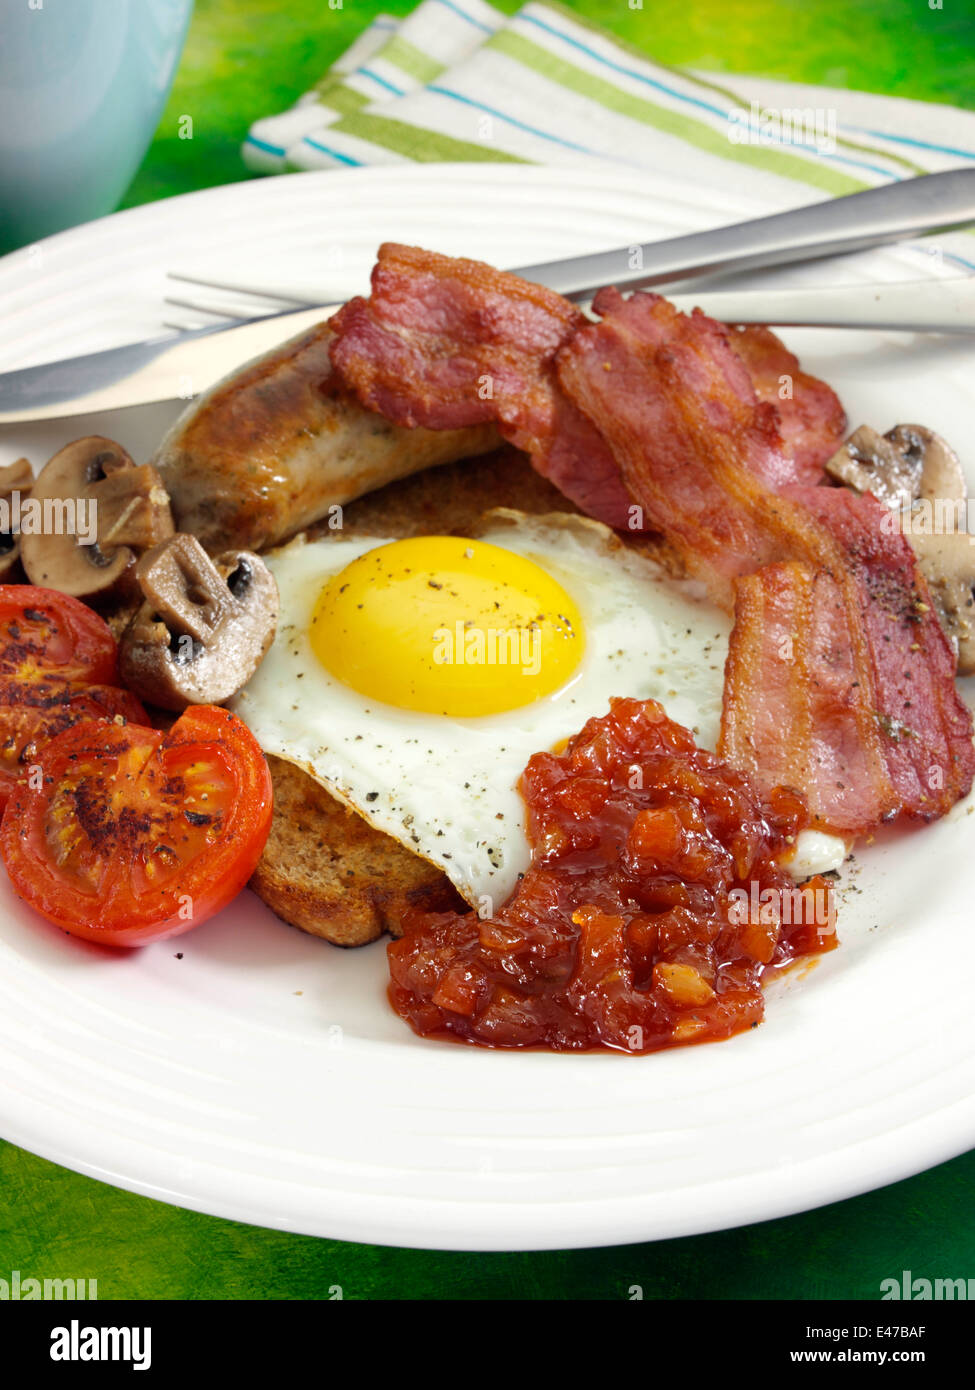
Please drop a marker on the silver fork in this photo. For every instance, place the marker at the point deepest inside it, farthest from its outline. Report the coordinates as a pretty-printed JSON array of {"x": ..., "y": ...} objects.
[
  {"x": 875, "y": 217},
  {"x": 233, "y": 302},
  {"x": 137, "y": 373},
  {"x": 919, "y": 306}
]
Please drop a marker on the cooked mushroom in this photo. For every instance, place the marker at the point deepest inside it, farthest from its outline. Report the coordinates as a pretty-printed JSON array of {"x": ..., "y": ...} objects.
[
  {"x": 941, "y": 471},
  {"x": 15, "y": 478},
  {"x": 947, "y": 562},
  {"x": 204, "y": 626},
  {"x": 100, "y": 512},
  {"x": 900, "y": 467}
]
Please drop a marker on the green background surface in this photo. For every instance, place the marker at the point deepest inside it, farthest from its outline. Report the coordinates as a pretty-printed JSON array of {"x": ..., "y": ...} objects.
[{"x": 247, "y": 58}]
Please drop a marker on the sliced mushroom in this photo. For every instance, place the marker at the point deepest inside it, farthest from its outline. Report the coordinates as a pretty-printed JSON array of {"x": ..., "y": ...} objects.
[
  {"x": 868, "y": 462},
  {"x": 100, "y": 512},
  {"x": 908, "y": 463},
  {"x": 203, "y": 628},
  {"x": 947, "y": 562},
  {"x": 941, "y": 471},
  {"x": 15, "y": 478}
]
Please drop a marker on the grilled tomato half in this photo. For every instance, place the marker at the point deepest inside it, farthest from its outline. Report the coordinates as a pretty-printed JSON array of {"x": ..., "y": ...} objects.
[
  {"x": 45, "y": 633},
  {"x": 124, "y": 835}
]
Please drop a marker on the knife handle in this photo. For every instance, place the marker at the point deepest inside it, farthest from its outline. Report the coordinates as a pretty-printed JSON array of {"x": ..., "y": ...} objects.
[{"x": 836, "y": 225}]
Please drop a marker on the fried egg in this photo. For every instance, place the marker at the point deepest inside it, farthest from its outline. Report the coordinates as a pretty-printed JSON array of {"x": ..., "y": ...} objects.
[{"x": 415, "y": 678}]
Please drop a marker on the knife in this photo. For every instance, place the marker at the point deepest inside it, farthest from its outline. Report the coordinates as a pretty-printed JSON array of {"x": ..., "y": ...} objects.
[
  {"x": 185, "y": 364},
  {"x": 177, "y": 366}
]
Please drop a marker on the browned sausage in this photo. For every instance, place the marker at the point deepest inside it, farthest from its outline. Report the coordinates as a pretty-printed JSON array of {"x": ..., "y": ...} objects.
[{"x": 272, "y": 448}]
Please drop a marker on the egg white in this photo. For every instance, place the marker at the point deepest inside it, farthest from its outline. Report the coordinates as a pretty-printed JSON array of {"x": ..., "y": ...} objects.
[{"x": 447, "y": 788}]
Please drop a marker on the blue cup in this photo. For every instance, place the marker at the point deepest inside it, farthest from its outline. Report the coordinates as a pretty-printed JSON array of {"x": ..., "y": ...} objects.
[{"x": 82, "y": 87}]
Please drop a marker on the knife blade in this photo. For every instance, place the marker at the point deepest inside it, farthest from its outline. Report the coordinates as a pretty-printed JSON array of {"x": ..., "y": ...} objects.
[
  {"x": 181, "y": 366},
  {"x": 178, "y": 366}
]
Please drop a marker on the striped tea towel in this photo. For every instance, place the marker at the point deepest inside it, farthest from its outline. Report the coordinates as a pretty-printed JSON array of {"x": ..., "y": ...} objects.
[
  {"x": 389, "y": 59},
  {"x": 458, "y": 81},
  {"x": 268, "y": 139}
]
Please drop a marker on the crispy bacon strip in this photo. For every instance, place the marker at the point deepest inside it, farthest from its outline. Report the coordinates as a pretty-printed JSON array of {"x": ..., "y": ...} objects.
[
  {"x": 447, "y": 343},
  {"x": 704, "y": 462},
  {"x": 812, "y": 422},
  {"x": 440, "y": 341},
  {"x": 698, "y": 352},
  {"x": 926, "y": 727},
  {"x": 794, "y": 711},
  {"x": 792, "y": 714},
  {"x": 873, "y": 691}
]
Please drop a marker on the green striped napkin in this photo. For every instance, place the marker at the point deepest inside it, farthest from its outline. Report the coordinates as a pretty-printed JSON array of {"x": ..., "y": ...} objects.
[
  {"x": 390, "y": 58},
  {"x": 458, "y": 81}
]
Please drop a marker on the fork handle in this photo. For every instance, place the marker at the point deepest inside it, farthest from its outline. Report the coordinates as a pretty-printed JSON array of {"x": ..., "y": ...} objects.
[{"x": 852, "y": 223}]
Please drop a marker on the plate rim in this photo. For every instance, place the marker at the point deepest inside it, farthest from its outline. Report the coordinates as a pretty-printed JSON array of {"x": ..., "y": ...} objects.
[{"x": 937, "y": 1150}]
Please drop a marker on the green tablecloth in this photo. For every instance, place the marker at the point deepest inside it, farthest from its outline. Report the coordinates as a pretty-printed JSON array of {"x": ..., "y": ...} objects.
[{"x": 245, "y": 60}]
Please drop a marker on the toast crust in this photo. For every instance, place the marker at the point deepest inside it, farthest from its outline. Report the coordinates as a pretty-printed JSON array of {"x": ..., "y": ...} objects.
[{"x": 326, "y": 870}]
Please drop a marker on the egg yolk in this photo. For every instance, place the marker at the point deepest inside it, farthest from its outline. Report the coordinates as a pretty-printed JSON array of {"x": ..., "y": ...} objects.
[{"x": 448, "y": 626}]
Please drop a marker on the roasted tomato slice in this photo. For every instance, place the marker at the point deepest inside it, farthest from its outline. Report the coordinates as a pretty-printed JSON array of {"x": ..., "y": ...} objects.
[
  {"x": 33, "y": 712},
  {"x": 44, "y": 633},
  {"x": 127, "y": 834}
]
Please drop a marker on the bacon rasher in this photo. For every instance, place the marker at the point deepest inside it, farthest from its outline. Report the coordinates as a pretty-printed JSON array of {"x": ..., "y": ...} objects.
[
  {"x": 704, "y": 461},
  {"x": 445, "y": 343},
  {"x": 926, "y": 729},
  {"x": 812, "y": 422},
  {"x": 840, "y": 679},
  {"x": 795, "y": 710},
  {"x": 441, "y": 341},
  {"x": 791, "y": 714}
]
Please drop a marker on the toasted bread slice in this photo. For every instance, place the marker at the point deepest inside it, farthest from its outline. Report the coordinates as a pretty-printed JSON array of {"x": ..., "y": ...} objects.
[
  {"x": 451, "y": 499},
  {"x": 327, "y": 871},
  {"x": 324, "y": 868}
]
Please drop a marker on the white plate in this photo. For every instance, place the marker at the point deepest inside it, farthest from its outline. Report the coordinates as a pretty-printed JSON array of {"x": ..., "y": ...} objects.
[{"x": 263, "y": 1076}]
